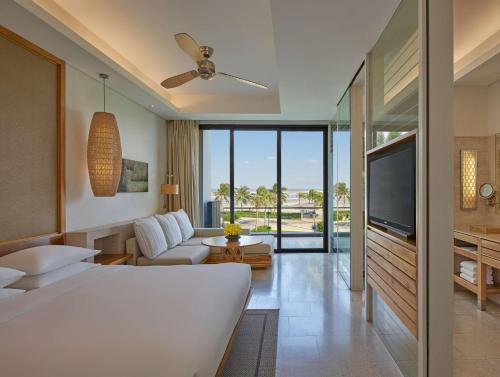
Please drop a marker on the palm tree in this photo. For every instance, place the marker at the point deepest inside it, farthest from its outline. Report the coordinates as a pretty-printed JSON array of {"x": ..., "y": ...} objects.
[
  {"x": 273, "y": 198},
  {"x": 242, "y": 195},
  {"x": 258, "y": 202},
  {"x": 274, "y": 194},
  {"x": 311, "y": 195},
  {"x": 255, "y": 202},
  {"x": 302, "y": 196},
  {"x": 317, "y": 199},
  {"x": 341, "y": 192},
  {"x": 222, "y": 194},
  {"x": 284, "y": 195},
  {"x": 264, "y": 198}
]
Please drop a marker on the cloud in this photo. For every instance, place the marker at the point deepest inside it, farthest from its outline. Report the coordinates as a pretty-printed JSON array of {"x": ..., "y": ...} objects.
[
  {"x": 312, "y": 161},
  {"x": 246, "y": 162},
  {"x": 271, "y": 157}
]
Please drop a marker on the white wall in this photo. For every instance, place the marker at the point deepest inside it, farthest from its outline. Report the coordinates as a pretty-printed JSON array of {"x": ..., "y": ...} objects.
[
  {"x": 494, "y": 108},
  {"x": 476, "y": 110},
  {"x": 470, "y": 110},
  {"x": 143, "y": 138}
]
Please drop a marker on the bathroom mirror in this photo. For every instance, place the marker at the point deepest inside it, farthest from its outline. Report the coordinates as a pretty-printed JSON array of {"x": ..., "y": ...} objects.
[
  {"x": 495, "y": 166},
  {"x": 486, "y": 191}
]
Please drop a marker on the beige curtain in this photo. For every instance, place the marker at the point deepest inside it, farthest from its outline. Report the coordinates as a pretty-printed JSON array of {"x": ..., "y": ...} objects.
[{"x": 183, "y": 146}]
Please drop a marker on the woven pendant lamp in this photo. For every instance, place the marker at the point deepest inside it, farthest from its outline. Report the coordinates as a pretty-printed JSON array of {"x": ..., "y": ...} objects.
[{"x": 104, "y": 152}]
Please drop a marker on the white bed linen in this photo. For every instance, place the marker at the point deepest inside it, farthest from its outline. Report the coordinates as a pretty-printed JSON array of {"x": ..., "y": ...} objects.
[
  {"x": 38, "y": 281},
  {"x": 125, "y": 321}
]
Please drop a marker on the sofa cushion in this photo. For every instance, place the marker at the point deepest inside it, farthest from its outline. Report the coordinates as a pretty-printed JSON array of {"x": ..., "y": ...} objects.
[
  {"x": 170, "y": 229},
  {"x": 193, "y": 241},
  {"x": 150, "y": 237},
  {"x": 184, "y": 223},
  {"x": 177, "y": 255},
  {"x": 266, "y": 247}
]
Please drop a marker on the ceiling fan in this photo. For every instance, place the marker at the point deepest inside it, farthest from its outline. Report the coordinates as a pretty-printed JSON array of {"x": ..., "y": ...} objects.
[{"x": 206, "y": 68}]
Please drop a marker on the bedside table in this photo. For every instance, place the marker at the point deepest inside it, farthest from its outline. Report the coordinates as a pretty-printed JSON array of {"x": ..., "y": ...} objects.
[{"x": 112, "y": 259}]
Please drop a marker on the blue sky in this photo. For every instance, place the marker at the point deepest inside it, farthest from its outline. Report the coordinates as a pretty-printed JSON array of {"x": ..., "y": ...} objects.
[{"x": 255, "y": 158}]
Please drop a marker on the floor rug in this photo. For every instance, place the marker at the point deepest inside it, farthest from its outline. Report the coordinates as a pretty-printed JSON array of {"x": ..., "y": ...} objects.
[{"x": 253, "y": 353}]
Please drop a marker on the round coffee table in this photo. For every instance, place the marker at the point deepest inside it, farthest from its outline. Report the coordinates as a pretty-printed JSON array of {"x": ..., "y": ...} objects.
[{"x": 232, "y": 251}]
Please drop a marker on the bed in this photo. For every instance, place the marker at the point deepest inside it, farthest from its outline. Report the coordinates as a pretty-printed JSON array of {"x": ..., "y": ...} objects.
[{"x": 126, "y": 321}]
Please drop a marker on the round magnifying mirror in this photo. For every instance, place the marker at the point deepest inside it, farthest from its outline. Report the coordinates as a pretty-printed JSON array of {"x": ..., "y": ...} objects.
[{"x": 486, "y": 191}]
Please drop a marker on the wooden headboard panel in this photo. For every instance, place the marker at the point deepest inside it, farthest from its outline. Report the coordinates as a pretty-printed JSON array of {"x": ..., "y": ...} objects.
[
  {"x": 12, "y": 246},
  {"x": 32, "y": 155}
]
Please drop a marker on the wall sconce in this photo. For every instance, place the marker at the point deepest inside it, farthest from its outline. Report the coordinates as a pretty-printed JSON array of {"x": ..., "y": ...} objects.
[
  {"x": 468, "y": 179},
  {"x": 104, "y": 152}
]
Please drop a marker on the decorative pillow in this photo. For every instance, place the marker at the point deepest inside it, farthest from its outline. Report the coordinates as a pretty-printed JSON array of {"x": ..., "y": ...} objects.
[
  {"x": 37, "y": 281},
  {"x": 184, "y": 223},
  {"x": 7, "y": 292},
  {"x": 9, "y": 276},
  {"x": 150, "y": 237},
  {"x": 171, "y": 229},
  {"x": 41, "y": 259}
]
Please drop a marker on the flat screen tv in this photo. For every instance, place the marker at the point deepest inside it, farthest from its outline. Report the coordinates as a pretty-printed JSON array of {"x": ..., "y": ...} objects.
[{"x": 391, "y": 188}]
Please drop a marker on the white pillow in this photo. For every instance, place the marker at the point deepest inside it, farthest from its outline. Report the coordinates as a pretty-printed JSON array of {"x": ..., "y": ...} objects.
[
  {"x": 171, "y": 229},
  {"x": 7, "y": 292},
  {"x": 150, "y": 237},
  {"x": 184, "y": 223},
  {"x": 37, "y": 281},
  {"x": 41, "y": 259},
  {"x": 9, "y": 276}
]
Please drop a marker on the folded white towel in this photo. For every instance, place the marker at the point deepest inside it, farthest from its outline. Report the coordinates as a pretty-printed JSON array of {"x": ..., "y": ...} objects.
[
  {"x": 473, "y": 274},
  {"x": 473, "y": 280},
  {"x": 468, "y": 278},
  {"x": 468, "y": 264},
  {"x": 469, "y": 269}
]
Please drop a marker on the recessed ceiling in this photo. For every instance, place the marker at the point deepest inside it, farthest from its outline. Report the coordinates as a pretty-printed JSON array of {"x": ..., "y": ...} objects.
[
  {"x": 476, "y": 42},
  {"x": 240, "y": 32},
  {"x": 483, "y": 75},
  {"x": 306, "y": 53},
  {"x": 474, "y": 22}
]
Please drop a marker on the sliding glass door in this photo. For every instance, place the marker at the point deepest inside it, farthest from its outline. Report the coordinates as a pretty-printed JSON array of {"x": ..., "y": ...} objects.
[
  {"x": 302, "y": 199},
  {"x": 255, "y": 181},
  {"x": 270, "y": 180}
]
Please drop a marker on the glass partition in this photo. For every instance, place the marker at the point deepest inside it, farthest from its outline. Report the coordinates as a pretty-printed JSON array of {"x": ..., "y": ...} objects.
[
  {"x": 341, "y": 142},
  {"x": 394, "y": 77},
  {"x": 393, "y": 70}
]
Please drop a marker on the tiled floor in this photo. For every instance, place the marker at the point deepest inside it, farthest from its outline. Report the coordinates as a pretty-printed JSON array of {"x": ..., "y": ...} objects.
[
  {"x": 322, "y": 330},
  {"x": 476, "y": 337}
]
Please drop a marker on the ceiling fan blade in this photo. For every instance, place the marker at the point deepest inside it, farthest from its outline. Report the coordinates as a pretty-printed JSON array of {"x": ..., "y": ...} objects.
[
  {"x": 189, "y": 46},
  {"x": 243, "y": 80},
  {"x": 175, "y": 81}
]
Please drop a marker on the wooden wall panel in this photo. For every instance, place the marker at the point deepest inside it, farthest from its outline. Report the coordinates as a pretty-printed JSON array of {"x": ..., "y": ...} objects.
[{"x": 32, "y": 190}]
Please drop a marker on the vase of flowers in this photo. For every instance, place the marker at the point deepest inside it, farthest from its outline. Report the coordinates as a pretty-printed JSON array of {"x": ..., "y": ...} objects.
[{"x": 233, "y": 232}]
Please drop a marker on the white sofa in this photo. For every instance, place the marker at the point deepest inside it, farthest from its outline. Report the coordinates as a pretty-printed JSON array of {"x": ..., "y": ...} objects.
[{"x": 193, "y": 251}]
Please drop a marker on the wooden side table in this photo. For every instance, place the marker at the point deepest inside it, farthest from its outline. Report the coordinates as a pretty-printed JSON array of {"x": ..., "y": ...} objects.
[
  {"x": 112, "y": 259},
  {"x": 232, "y": 251}
]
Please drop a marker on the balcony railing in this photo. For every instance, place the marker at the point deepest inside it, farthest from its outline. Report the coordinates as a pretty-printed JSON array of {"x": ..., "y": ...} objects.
[{"x": 305, "y": 219}]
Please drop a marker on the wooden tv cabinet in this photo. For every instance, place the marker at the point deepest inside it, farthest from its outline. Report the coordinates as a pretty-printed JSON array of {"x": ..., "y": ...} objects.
[{"x": 392, "y": 273}]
